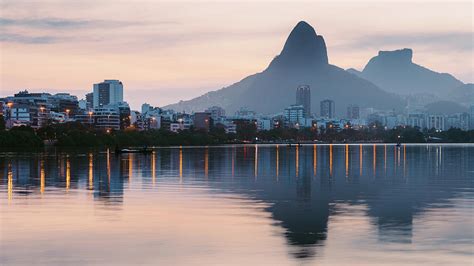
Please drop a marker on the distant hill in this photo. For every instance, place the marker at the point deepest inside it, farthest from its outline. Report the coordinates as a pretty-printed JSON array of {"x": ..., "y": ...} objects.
[
  {"x": 445, "y": 107},
  {"x": 394, "y": 71},
  {"x": 463, "y": 94},
  {"x": 303, "y": 60}
]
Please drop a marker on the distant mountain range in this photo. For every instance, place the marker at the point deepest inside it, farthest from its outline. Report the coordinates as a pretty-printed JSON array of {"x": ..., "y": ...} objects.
[
  {"x": 463, "y": 94},
  {"x": 303, "y": 60},
  {"x": 394, "y": 71}
]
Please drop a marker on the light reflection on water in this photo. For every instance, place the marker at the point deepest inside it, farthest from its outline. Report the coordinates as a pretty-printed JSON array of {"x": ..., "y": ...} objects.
[{"x": 333, "y": 204}]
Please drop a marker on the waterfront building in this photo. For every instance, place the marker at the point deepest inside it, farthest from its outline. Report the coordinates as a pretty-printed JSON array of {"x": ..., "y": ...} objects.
[
  {"x": 328, "y": 109},
  {"x": 435, "y": 121},
  {"x": 294, "y": 115},
  {"x": 216, "y": 112},
  {"x": 244, "y": 113},
  {"x": 416, "y": 120},
  {"x": 64, "y": 103},
  {"x": 108, "y": 92},
  {"x": 458, "y": 120},
  {"x": 303, "y": 97},
  {"x": 264, "y": 124},
  {"x": 353, "y": 112},
  {"x": 89, "y": 100},
  {"x": 202, "y": 121}
]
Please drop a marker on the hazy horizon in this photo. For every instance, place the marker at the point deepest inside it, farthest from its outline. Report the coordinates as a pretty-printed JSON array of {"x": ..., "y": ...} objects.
[{"x": 164, "y": 52}]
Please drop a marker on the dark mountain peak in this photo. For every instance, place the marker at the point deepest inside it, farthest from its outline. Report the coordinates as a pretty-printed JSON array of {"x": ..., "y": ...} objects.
[
  {"x": 302, "y": 48},
  {"x": 404, "y": 55},
  {"x": 396, "y": 72}
]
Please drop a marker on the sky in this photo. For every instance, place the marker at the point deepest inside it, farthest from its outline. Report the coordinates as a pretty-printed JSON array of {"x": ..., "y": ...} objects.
[{"x": 166, "y": 51}]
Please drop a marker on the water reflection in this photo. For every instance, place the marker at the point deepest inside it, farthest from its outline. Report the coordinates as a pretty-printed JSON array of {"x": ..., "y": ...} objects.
[{"x": 301, "y": 200}]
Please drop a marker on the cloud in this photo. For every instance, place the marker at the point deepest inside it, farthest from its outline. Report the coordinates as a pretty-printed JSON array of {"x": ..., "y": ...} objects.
[
  {"x": 62, "y": 23},
  {"x": 54, "y": 30},
  {"x": 459, "y": 41},
  {"x": 18, "y": 38},
  {"x": 46, "y": 23}
]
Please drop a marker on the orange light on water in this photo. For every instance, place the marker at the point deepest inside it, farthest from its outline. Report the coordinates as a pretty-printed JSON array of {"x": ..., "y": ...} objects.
[{"x": 91, "y": 171}]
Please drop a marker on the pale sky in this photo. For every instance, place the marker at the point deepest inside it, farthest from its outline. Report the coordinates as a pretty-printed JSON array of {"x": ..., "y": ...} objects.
[{"x": 167, "y": 51}]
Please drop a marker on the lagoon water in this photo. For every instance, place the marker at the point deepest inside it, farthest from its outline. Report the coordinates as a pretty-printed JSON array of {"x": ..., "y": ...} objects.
[{"x": 238, "y": 205}]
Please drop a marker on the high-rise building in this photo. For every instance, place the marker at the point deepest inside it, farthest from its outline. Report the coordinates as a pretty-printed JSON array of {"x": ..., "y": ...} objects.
[
  {"x": 108, "y": 92},
  {"x": 303, "y": 97},
  {"x": 328, "y": 109},
  {"x": 294, "y": 115},
  {"x": 436, "y": 122},
  {"x": 64, "y": 103},
  {"x": 353, "y": 112},
  {"x": 216, "y": 112},
  {"x": 89, "y": 100}
]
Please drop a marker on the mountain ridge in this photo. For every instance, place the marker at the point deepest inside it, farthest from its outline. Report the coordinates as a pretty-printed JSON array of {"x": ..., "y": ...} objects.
[
  {"x": 394, "y": 71},
  {"x": 303, "y": 60}
]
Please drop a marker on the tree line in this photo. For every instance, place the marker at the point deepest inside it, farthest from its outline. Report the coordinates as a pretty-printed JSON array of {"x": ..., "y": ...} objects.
[{"x": 75, "y": 134}]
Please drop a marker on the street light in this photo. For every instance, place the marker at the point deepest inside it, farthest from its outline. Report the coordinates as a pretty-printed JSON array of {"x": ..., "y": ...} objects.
[
  {"x": 90, "y": 118},
  {"x": 10, "y": 105}
]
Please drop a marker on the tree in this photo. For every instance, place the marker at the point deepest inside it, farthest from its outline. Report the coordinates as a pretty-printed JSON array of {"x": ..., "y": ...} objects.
[{"x": 2, "y": 123}]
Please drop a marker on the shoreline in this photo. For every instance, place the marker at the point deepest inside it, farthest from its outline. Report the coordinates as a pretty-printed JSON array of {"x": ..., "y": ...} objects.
[{"x": 224, "y": 145}]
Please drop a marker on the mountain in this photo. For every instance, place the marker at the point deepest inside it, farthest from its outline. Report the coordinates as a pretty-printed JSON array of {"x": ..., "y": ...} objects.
[
  {"x": 303, "y": 60},
  {"x": 463, "y": 94},
  {"x": 394, "y": 71}
]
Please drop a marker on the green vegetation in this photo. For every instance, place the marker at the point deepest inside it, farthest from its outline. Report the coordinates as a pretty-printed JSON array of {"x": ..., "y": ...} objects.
[
  {"x": 20, "y": 137},
  {"x": 75, "y": 134}
]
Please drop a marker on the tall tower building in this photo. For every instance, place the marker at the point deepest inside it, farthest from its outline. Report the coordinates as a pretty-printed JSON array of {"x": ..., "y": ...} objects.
[
  {"x": 108, "y": 92},
  {"x": 303, "y": 97},
  {"x": 353, "y": 112},
  {"x": 328, "y": 108}
]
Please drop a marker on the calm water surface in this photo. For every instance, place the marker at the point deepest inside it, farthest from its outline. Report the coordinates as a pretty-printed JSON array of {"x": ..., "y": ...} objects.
[{"x": 254, "y": 205}]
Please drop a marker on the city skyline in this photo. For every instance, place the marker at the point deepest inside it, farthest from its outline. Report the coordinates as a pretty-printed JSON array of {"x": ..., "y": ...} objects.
[{"x": 153, "y": 56}]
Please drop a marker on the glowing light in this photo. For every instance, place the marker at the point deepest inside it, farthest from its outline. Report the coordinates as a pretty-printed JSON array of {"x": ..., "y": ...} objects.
[
  {"x": 108, "y": 168},
  {"x": 10, "y": 183},
  {"x": 42, "y": 176},
  {"x": 130, "y": 167},
  {"x": 153, "y": 167},
  {"x": 68, "y": 174},
  {"x": 91, "y": 171}
]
